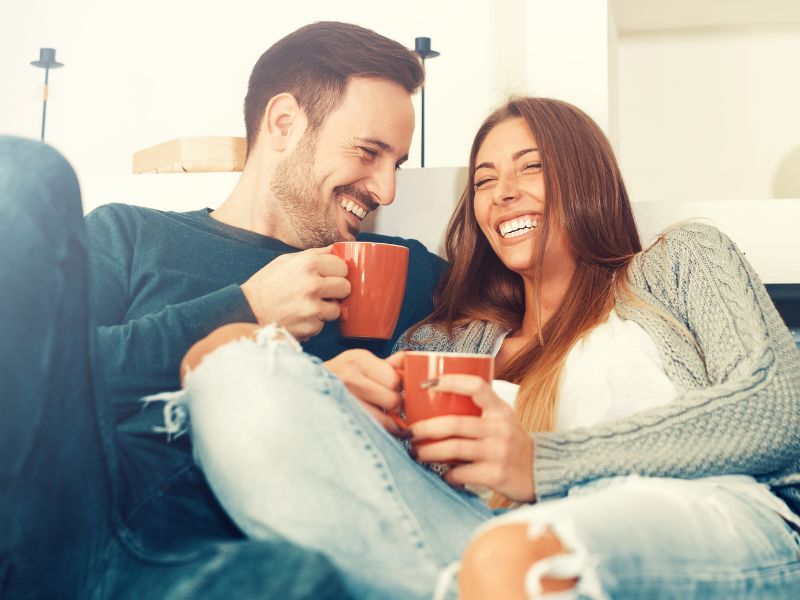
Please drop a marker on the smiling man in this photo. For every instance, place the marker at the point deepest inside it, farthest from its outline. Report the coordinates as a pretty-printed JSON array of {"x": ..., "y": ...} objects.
[
  {"x": 93, "y": 493},
  {"x": 329, "y": 120}
]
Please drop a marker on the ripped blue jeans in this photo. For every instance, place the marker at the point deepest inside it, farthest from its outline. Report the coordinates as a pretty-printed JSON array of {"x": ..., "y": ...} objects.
[{"x": 287, "y": 448}]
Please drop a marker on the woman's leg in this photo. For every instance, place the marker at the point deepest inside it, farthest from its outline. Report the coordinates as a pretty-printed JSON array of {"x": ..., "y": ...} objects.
[
  {"x": 286, "y": 448},
  {"x": 637, "y": 538}
]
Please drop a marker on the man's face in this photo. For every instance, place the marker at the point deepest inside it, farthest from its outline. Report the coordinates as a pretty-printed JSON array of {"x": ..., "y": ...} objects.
[{"x": 346, "y": 169}]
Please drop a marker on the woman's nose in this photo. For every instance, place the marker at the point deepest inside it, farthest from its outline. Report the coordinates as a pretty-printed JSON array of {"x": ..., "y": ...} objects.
[{"x": 506, "y": 190}]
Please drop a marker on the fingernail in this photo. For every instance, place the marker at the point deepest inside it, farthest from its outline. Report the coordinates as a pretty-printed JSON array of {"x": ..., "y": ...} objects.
[
  {"x": 412, "y": 452},
  {"x": 405, "y": 434},
  {"x": 429, "y": 383}
]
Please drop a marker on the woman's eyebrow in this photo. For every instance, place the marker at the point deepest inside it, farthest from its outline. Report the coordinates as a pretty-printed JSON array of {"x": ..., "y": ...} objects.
[
  {"x": 519, "y": 153},
  {"x": 515, "y": 156}
]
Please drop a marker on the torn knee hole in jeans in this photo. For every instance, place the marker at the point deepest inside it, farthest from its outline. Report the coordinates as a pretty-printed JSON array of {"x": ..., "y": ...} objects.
[
  {"x": 574, "y": 563},
  {"x": 175, "y": 411},
  {"x": 176, "y": 403}
]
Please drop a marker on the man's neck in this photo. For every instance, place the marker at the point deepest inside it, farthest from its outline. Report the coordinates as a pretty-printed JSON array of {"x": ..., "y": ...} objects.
[{"x": 250, "y": 205}]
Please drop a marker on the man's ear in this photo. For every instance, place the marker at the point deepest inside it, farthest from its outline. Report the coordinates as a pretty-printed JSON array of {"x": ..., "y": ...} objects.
[{"x": 284, "y": 122}]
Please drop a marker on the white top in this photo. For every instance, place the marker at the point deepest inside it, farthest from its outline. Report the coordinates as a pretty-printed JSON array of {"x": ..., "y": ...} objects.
[{"x": 612, "y": 373}]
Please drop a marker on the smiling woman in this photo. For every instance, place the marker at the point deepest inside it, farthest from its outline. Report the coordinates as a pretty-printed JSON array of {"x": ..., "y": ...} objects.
[
  {"x": 550, "y": 230},
  {"x": 645, "y": 400}
]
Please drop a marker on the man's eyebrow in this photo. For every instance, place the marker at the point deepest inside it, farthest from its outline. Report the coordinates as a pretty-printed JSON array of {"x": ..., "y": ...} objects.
[{"x": 515, "y": 156}]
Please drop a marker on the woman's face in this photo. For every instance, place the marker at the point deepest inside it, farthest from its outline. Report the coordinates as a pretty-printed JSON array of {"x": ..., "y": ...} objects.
[{"x": 509, "y": 196}]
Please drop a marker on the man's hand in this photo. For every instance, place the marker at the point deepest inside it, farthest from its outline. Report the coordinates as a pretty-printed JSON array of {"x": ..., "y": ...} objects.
[
  {"x": 299, "y": 291},
  {"x": 374, "y": 381}
]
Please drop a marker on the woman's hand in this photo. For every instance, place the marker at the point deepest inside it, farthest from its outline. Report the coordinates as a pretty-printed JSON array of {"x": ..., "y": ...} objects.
[
  {"x": 374, "y": 381},
  {"x": 496, "y": 450}
]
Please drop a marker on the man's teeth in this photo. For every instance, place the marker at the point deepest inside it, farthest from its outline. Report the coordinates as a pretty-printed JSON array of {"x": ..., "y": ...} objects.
[
  {"x": 517, "y": 227},
  {"x": 354, "y": 208}
]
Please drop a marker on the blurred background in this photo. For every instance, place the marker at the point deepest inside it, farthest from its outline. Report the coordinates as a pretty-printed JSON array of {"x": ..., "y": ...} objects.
[{"x": 699, "y": 97}]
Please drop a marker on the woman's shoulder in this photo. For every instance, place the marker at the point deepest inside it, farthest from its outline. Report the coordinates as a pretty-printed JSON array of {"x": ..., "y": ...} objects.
[{"x": 694, "y": 241}]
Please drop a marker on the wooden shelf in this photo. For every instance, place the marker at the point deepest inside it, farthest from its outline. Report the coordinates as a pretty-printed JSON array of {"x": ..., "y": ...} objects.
[{"x": 192, "y": 155}]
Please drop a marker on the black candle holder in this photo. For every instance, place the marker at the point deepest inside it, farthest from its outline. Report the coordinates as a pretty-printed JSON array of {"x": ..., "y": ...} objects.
[
  {"x": 422, "y": 46},
  {"x": 47, "y": 61}
]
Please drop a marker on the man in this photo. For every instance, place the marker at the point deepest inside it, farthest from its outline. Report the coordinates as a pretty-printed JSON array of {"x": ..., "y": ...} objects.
[{"x": 328, "y": 117}]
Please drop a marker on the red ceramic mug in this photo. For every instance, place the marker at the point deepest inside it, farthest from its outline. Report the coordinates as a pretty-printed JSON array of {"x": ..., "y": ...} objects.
[
  {"x": 377, "y": 275},
  {"x": 421, "y": 403}
]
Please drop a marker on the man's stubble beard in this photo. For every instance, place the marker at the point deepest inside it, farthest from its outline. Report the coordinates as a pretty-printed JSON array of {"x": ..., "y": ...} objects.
[{"x": 301, "y": 199}]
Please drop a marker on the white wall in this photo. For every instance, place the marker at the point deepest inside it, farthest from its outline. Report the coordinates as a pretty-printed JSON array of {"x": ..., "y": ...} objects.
[
  {"x": 569, "y": 47},
  {"x": 711, "y": 114},
  {"x": 765, "y": 229},
  {"x": 138, "y": 73}
]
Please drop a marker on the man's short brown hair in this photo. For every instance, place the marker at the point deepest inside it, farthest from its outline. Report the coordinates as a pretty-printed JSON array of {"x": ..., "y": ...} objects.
[{"x": 315, "y": 63}]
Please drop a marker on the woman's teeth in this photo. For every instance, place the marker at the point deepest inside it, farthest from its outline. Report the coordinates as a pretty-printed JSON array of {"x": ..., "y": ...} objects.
[
  {"x": 354, "y": 208},
  {"x": 517, "y": 227}
]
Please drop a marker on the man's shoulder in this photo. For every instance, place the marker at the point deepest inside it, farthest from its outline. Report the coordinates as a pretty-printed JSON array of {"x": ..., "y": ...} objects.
[
  {"x": 117, "y": 218},
  {"x": 414, "y": 246},
  {"x": 119, "y": 212},
  {"x": 425, "y": 267}
]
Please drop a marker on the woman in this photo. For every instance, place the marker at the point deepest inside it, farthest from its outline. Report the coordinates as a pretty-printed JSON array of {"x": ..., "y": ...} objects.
[{"x": 654, "y": 387}]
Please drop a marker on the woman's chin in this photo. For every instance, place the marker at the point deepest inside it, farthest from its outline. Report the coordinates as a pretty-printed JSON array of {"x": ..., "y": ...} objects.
[
  {"x": 520, "y": 266},
  {"x": 517, "y": 258}
]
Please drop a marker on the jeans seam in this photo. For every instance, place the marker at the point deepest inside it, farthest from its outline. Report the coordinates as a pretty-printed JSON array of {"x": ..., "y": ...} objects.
[
  {"x": 378, "y": 462},
  {"x": 757, "y": 578}
]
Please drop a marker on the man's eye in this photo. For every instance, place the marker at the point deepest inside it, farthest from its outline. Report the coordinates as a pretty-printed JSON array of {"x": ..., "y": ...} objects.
[{"x": 369, "y": 153}]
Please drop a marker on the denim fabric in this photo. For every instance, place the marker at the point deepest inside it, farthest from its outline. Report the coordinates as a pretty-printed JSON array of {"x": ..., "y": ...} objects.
[
  {"x": 637, "y": 537},
  {"x": 285, "y": 447},
  {"x": 86, "y": 512}
]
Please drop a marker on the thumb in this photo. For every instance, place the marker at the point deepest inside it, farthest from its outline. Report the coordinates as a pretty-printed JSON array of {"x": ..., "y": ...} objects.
[
  {"x": 396, "y": 359},
  {"x": 317, "y": 251}
]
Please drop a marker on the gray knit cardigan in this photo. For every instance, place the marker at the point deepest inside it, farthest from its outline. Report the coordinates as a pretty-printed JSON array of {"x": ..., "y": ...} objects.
[{"x": 738, "y": 408}]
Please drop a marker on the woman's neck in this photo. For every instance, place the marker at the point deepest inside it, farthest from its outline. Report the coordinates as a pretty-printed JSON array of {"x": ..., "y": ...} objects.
[
  {"x": 555, "y": 283},
  {"x": 552, "y": 293}
]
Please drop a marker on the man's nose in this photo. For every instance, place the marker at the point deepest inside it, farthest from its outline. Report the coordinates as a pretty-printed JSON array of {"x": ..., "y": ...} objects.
[{"x": 382, "y": 186}]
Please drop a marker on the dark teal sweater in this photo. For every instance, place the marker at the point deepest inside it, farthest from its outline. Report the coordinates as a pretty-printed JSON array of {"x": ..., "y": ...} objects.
[{"x": 163, "y": 280}]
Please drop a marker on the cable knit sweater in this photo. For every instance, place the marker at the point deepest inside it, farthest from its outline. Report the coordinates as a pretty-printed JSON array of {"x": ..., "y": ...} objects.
[{"x": 738, "y": 408}]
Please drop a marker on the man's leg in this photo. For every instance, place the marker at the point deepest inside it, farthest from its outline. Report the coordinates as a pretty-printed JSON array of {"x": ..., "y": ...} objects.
[
  {"x": 55, "y": 495},
  {"x": 60, "y": 534}
]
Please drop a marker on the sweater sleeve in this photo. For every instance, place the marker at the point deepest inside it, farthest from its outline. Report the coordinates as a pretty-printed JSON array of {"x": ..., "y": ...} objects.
[
  {"x": 741, "y": 415},
  {"x": 141, "y": 356}
]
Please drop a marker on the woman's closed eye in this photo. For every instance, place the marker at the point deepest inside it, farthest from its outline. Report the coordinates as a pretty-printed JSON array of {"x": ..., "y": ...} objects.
[
  {"x": 484, "y": 182},
  {"x": 532, "y": 167}
]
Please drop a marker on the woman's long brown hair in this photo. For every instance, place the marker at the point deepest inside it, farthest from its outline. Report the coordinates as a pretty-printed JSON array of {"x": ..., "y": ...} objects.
[{"x": 585, "y": 197}]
